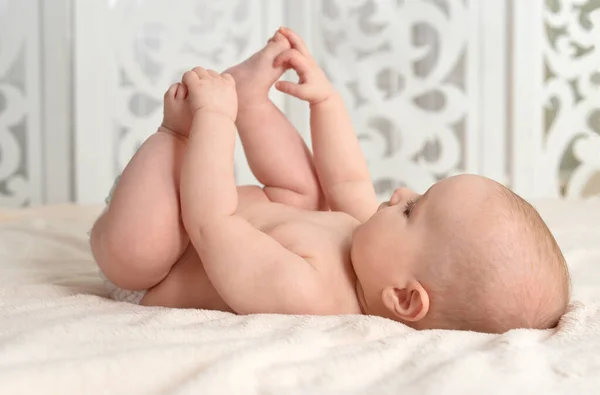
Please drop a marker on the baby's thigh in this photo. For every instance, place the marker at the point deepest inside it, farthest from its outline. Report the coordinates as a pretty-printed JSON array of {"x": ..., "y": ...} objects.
[{"x": 186, "y": 286}]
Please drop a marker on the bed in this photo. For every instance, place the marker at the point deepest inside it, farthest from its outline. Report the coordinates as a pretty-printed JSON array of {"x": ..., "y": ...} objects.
[{"x": 59, "y": 334}]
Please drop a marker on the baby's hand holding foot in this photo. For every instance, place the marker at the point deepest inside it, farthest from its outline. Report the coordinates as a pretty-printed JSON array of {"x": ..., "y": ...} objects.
[
  {"x": 211, "y": 92},
  {"x": 256, "y": 75}
]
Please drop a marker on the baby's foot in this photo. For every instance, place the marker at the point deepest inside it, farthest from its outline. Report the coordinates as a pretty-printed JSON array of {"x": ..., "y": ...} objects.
[
  {"x": 177, "y": 116},
  {"x": 255, "y": 76}
]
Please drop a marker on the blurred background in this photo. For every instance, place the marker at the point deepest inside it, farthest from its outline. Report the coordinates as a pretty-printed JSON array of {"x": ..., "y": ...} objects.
[{"x": 509, "y": 89}]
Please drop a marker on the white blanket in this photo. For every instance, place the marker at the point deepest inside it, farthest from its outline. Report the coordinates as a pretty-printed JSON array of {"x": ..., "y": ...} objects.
[{"x": 59, "y": 334}]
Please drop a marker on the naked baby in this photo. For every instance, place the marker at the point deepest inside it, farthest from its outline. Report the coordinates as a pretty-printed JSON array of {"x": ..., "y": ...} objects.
[{"x": 468, "y": 254}]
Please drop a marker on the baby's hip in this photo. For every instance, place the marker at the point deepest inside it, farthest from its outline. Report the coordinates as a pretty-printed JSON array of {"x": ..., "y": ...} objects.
[{"x": 186, "y": 286}]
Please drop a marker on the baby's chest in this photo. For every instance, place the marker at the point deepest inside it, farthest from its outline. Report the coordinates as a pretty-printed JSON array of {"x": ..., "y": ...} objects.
[
  {"x": 310, "y": 240},
  {"x": 306, "y": 233},
  {"x": 324, "y": 239},
  {"x": 328, "y": 250},
  {"x": 325, "y": 248}
]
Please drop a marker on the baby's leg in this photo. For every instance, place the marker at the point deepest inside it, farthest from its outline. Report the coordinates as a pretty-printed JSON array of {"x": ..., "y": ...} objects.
[
  {"x": 140, "y": 236},
  {"x": 276, "y": 153}
]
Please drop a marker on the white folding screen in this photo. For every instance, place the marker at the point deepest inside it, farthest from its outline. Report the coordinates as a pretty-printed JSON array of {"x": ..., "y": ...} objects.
[
  {"x": 413, "y": 73},
  {"x": 556, "y": 107},
  {"x": 20, "y": 104},
  {"x": 419, "y": 78},
  {"x": 507, "y": 89},
  {"x": 35, "y": 108},
  {"x": 127, "y": 55}
]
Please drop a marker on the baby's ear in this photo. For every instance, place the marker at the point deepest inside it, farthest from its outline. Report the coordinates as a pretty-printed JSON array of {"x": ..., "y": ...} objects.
[{"x": 410, "y": 303}]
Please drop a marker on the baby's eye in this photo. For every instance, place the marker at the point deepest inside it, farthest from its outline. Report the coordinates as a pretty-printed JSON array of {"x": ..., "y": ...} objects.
[{"x": 408, "y": 207}]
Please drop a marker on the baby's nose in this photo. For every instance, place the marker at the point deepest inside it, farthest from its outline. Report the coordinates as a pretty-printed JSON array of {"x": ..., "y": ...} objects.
[{"x": 401, "y": 194}]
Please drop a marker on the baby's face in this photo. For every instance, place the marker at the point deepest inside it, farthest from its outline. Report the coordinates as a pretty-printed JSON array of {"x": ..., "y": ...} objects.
[{"x": 411, "y": 231}]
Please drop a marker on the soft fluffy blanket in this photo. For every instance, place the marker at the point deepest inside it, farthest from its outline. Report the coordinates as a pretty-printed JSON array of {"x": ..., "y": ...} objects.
[{"x": 59, "y": 334}]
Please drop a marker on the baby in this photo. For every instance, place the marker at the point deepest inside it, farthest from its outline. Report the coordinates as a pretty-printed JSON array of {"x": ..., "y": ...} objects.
[{"x": 468, "y": 254}]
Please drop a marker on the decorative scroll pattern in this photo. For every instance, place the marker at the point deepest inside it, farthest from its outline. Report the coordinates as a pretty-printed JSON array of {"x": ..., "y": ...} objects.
[
  {"x": 401, "y": 67},
  {"x": 16, "y": 109},
  {"x": 571, "y": 142},
  {"x": 405, "y": 68},
  {"x": 155, "y": 42}
]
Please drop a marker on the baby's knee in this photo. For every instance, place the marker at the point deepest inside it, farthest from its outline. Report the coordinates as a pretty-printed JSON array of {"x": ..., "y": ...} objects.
[{"x": 130, "y": 265}]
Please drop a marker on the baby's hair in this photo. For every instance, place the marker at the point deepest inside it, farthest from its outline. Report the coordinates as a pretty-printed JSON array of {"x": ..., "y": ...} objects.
[
  {"x": 550, "y": 255},
  {"x": 516, "y": 279}
]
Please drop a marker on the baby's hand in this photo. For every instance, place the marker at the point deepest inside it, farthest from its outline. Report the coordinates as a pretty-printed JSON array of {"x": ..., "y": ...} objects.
[
  {"x": 212, "y": 92},
  {"x": 313, "y": 85}
]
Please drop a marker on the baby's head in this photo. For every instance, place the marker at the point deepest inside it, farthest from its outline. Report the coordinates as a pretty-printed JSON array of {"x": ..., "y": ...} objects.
[{"x": 469, "y": 254}]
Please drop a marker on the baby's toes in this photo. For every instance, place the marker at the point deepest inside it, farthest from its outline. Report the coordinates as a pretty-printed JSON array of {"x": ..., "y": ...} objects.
[
  {"x": 277, "y": 44},
  {"x": 181, "y": 92},
  {"x": 171, "y": 92},
  {"x": 176, "y": 116}
]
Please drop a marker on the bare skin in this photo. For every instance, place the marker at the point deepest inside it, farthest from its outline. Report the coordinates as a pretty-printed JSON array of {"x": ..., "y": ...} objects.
[
  {"x": 179, "y": 227},
  {"x": 284, "y": 165}
]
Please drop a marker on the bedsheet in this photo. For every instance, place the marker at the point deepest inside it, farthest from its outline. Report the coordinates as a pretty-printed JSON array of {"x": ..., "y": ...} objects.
[{"x": 59, "y": 334}]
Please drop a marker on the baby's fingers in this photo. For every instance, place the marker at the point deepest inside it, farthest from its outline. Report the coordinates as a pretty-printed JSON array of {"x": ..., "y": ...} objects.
[
  {"x": 291, "y": 88},
  {"x": 190, "y": 78},
  {"x": 213, "y": 73},
  {"x": 228, "y": 77},
  {"x": 294, "y": 59},
  {"x": 201, "y": 71},
  {"x": 295, "y": 40}
]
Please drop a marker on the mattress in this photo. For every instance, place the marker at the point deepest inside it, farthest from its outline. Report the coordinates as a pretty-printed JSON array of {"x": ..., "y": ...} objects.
[{"x": 60, "y": 334}]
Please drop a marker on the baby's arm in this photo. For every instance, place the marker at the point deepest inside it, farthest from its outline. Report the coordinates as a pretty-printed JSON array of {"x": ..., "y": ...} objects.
[
  {"x": 249, "y": 269},
  {"x": 340, "y": 164}
]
